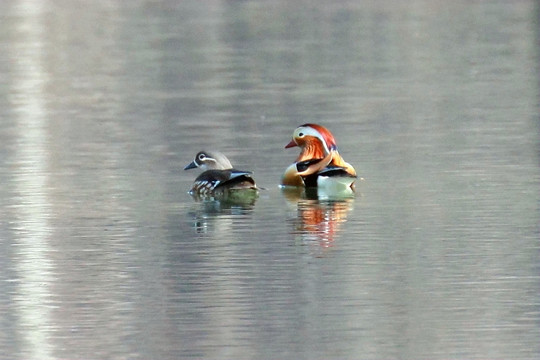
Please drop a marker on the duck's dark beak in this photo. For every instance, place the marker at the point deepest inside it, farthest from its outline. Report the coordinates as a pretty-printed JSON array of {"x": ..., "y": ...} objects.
[
  {"x": 291, "y": 144},
  {"x": 191, "y": 165}
]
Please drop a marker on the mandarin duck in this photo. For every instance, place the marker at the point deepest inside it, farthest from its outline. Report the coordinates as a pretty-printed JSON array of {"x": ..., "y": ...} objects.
[
  {"x": 219, "y": 174},
  {"x": 319, "y": 163}
]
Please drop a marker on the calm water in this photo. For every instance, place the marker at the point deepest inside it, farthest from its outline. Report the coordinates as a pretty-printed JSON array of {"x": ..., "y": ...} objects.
[{"x": 104, "y": 255}]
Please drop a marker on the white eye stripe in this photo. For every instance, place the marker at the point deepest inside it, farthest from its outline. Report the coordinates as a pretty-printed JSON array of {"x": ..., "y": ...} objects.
[
  {"x": 308, "y": 131},
  {"x": 303, "y": 131}
]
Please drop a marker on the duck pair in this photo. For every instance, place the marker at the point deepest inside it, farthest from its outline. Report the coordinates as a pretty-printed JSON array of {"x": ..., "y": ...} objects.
[{"x": 318, "y": 165}]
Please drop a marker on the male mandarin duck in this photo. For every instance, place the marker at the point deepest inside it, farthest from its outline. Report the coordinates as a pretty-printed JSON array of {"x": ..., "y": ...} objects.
[
  {"x": 319, "y": 163},
  {"x": 218, "y": 175}
]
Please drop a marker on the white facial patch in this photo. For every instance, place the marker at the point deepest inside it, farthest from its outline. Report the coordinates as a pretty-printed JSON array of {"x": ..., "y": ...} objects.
[{"x": 309, "y": 131}]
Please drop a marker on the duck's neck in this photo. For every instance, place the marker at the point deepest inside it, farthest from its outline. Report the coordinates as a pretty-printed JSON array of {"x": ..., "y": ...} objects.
[{"x": 312, "y": 150}]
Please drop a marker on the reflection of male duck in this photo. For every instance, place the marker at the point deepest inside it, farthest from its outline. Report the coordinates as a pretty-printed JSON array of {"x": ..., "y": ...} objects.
[
  {"x": 319, "y": 163},
  {"x": 319, "y": 216}
]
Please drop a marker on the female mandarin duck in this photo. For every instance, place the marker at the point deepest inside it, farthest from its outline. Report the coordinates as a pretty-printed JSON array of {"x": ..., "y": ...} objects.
[
  {"x": 218, "y": 174},
  {"x": 319, "y": 163}
]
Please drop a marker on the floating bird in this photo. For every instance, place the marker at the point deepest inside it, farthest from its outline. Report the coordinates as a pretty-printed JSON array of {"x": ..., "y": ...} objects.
[
  {"x": 319, "y": 163},
  {"x": 219, "y": 174}
]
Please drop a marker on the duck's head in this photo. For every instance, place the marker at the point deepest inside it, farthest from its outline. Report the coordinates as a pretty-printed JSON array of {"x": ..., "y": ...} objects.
[
  {"x": 209, "y": 160},
  {"x": 314, "y": 140}
]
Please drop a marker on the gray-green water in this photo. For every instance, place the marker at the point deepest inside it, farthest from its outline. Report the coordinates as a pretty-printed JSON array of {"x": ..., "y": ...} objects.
[{"x": 104, "y": 255}]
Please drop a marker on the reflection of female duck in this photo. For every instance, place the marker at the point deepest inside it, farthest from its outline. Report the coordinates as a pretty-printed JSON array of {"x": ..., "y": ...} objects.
[
  {"x": 219, "y": 175},
  {"x": 319, "y": 163}
]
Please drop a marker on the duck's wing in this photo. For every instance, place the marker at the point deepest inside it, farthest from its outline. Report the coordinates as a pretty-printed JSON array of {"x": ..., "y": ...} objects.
[
  {"x": 234, "y": 173},
  {"x": 303, "y": 166},
  {"x": 240, "y": 179},
  {"x": 209, "y": 180},
  {"x": 329, "y": 174},
  {"x": 331, "y": 171},
  {"x": 312, "y": 166}
]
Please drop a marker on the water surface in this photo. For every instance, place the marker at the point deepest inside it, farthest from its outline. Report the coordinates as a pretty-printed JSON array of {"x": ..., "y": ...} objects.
[{"x": 104, "y": 255}]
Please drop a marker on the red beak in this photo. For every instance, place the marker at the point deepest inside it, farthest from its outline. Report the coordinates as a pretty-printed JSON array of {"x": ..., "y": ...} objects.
[{"x": 291, "y": 144}]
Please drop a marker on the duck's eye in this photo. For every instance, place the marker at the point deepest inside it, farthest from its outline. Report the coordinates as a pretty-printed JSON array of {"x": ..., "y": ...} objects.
[
  {"x": 300, "y": 134},
  {"x": 202, "y": 157}
]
